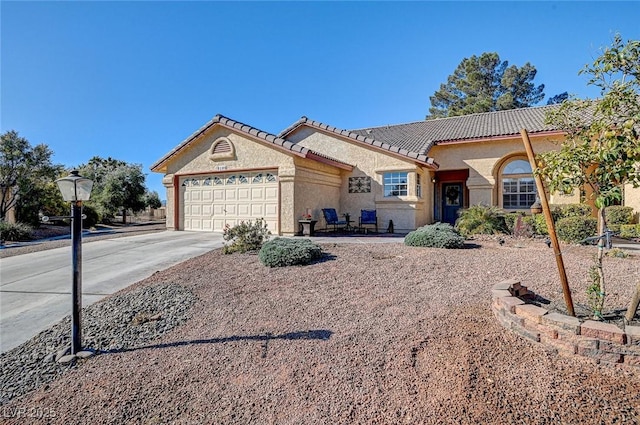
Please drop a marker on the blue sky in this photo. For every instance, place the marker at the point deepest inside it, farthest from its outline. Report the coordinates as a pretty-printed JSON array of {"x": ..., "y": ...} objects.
[{"x": 131, "y": 80}]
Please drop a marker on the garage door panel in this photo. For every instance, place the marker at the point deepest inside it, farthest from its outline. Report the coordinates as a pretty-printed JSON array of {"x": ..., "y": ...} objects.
[
  {"x": 257, "y": 193},
  {"x": 218, "y": 224},
  {"x": 271, "y": 193},
  {"x": 228, "y": 199},
  {"x": 272, "y": 225},
  {"x": 271, "y": 210},
  {"x": 218, "y": 195}
]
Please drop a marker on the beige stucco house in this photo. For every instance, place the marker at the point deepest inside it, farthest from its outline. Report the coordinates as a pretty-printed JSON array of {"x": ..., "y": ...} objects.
[{"x": 411, "y": 174}]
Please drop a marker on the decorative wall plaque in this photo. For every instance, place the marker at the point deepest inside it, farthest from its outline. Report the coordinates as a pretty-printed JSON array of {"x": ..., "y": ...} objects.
[{"x": 359, "y": 184}]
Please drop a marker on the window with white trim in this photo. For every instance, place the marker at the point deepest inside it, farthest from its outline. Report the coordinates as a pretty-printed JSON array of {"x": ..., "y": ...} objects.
[
  {"x": 518, "y": 185},
  {"x": 395, "y": 184}
]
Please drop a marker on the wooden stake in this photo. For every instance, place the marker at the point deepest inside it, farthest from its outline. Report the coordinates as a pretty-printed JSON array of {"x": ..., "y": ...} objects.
[
  {"x": 633, "y": 305},
  {"x": 550, "y": 226}
]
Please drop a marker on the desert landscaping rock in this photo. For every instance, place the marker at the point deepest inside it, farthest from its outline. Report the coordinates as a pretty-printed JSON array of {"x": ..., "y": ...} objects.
[
  {"x": 107, "y": 327},
  {"x": 67, "y": 359},
  {"x": 85, "y": 354},
  {"x": 379, "y": 333}
]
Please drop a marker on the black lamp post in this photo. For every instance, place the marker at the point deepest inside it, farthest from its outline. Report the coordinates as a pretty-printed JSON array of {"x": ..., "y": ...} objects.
[{"x": 75, "y": 189}]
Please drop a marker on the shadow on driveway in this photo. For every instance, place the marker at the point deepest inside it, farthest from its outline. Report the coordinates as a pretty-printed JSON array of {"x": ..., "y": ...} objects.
[{"x": 321, "y": 334}]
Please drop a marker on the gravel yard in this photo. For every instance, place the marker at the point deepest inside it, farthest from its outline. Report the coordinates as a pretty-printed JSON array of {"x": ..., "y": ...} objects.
[{"x": 373, "y": 334}]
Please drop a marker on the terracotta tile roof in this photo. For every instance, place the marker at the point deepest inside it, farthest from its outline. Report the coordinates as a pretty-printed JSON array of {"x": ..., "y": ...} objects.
[
  {"x": 422, "y": 135},
  {"x": 391, "y": 145},
  {"x": 252, "y": 131}
]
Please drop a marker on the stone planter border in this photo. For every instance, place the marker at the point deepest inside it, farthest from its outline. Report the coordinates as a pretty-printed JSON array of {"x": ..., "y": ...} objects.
[{"x": 598, "y": 341}]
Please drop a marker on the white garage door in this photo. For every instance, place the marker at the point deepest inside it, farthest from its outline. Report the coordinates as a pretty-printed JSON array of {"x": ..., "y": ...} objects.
[{"x": 212, "y": 201}]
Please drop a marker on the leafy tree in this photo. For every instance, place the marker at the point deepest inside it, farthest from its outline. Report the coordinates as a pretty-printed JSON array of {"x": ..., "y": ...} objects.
[
  {"x": 559, "y": 98},
  {"x": 44, "y": 197},
  {"x": 117, "y": 186},
  {"x": 26, "y": 178},
  {"x": 152, "y": 199},
  {"x": 483, "y": 84},
  {"x": 602, "y": 146}
]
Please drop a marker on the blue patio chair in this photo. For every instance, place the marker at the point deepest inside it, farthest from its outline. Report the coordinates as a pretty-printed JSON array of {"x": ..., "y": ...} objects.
[
  {"x": 368, "y": 217},
  {"x": 331, "y": 217}
]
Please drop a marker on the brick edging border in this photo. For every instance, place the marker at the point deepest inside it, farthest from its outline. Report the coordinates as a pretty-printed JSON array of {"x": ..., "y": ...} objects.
[{"x": 602, "y": 342}]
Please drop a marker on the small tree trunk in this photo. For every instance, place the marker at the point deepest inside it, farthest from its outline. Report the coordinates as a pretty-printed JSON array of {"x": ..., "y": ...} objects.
[
  {"x": 601, "y": 244},
  {"x": 124, "y": 216},
  {"x": 633, "y": 306}
]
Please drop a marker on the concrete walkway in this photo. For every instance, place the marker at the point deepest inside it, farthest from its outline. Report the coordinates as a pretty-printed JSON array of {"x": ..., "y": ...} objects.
[{"x": 35, "y": 289}]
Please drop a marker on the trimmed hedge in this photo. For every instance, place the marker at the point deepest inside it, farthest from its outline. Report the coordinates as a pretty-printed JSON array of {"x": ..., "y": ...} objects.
[
  {"x": 438, "y": 235},
  {"x": 576, "y": 229},
  {"x": 618, "y": 215},
  {"x": 15, "y": 231},
  {"x": 282, "y": 252},
  {"x": 570, "y": 210},
  {"x": 630, "y": 231}
]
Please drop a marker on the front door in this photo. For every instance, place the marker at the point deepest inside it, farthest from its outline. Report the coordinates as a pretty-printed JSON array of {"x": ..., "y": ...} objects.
[{"x": 452, "y": 201}]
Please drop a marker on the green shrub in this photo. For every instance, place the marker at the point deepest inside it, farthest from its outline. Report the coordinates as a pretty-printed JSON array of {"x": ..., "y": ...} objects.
[
  {"x": 570, "y": 210},
  {"x": 618, "y": 215},
  {"x": 576, "y": 229},
  {"x": 630, "y": 231},
  {"x": 246, "y": 236},
  {"x": 481, "y": 219},
  {"x": 92, "y": 217},
  {"x": 539, "y": 224},
  {"x": 282, "y": 252},
  {"x": 439, "y": 235},
  {"x": 15, "y": 231},
  {"x": 617, "y": 253}
]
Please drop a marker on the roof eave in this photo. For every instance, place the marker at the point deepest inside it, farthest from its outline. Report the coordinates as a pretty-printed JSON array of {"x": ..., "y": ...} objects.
[
  {"x": 363, "y": 140},
  {"x": 319, "y": 158}
]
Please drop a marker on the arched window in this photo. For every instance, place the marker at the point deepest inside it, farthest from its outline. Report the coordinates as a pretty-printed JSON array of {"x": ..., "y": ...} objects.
[{"x": 517, "y": 184}]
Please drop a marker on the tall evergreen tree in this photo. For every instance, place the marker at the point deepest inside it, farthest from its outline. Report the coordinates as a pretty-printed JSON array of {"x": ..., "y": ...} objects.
[
  {"x": 483, "y": 84},
  {"x": 557, "y": 99}
]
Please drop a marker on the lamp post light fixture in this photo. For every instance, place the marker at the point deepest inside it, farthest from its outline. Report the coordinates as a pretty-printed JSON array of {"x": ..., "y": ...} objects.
[
  {"x": 536, "y": 207},
  {"x": 75, "y": 189}
]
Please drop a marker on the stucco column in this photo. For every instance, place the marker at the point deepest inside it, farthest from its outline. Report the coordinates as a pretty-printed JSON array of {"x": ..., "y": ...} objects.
[
  {"x": 167, "y": 182},
  {"x": 481, "y": 190},
  {"x": 288, "y": 223}
]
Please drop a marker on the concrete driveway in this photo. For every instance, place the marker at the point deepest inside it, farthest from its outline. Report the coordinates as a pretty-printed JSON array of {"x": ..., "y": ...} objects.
[{"x": 35, "y": 289}]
